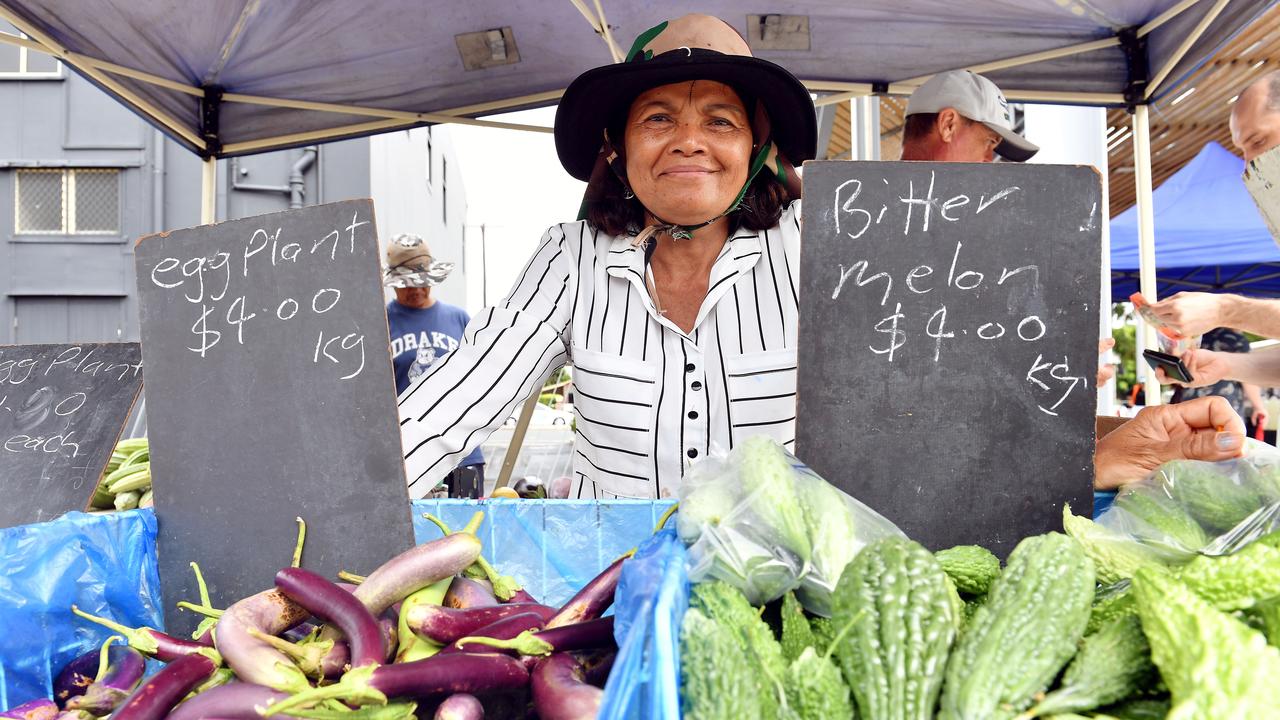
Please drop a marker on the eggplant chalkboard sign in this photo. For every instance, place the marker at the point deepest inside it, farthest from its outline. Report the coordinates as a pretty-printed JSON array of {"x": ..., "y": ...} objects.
[
  {"x": 948, "y": 343},
  {"x": 269, "y": 397},
  {"x": 62, "y": 408}
]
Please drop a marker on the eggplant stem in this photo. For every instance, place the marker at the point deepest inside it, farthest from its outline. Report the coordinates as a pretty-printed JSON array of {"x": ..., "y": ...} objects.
[
  {"x": 138, "y": 638},
  {"x": 504, "y": 586},
  {"x": 302, "y": 538},
  {"x": 204, "y": 610},
  {"x": 204, "y": 589},
  {"x": 473, "y": 525},
  {"x": 662, "y": 521},
  {"x": 104, "y": 662},
  {"x": 353, "y": 688},
  {"x": 205, "y": 626},
  {"x": 351, "y": 577},
  {"x": 438, "y": 523},
  {"x": 526, "y": 643},
  {"x": 308, "y": 656}
]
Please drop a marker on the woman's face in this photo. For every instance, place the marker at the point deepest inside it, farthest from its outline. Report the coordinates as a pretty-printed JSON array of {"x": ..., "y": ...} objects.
[{"x": 688, "y": 148}]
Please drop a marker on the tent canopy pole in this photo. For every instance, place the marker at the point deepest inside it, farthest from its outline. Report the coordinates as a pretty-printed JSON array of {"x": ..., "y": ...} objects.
[{"x": 1146, "y": 231}]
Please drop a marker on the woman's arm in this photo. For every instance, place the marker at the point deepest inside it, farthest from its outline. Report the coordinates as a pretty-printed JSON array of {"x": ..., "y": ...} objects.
[{"x": 506, "y": 353}]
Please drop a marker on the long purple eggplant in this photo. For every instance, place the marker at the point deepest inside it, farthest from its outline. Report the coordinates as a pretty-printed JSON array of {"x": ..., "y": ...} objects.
[
  {"x": 593, "y": 599},
  {"x": 41, "y": 709},
  {"x": 239, "y": 636},
  {"x": 445, "y": 625},
  {"x": 156, "y": 697},
  {"x": 504, "y": 629},
  {"x": 460, "y": 706},
  {"x": 588, "y": 635},
  {"x": 115, "y": 681},
  {"x": 366, "y": 644},
  {"x": 148, "y": 641},
  {"x": 561, "y": 692},
  {"x": 465, "y": 592},
  {"x": 76, "y": 676},
  {"x": 237, "y": 701},
  {"x": 415, "y": 569},
  {"x": 597, "y": 665},
  {"x": 433, "y": 677}
]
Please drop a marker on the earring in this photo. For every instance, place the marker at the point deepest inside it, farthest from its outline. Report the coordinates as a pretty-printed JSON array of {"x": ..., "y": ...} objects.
[{"x": 627, "y": 194}]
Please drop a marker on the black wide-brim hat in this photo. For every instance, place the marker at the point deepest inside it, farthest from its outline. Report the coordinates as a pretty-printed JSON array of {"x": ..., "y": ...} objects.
[{"x": 694, "y": 47}]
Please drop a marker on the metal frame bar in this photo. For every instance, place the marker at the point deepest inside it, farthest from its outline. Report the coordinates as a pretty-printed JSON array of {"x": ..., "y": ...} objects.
[
  {"x": 608, "y": 34},
  {"x": 401, "y": 115},
  {"x": 53, "y": 48},
  {"x": 1029, "y": 58},
  {"x": 1037, "y": 96},
  {"x": 208, "y": 190},
  {"x": 1165, "y": 17},
  {"x": 1184, "y": 47},
  {"x": 1146, "y": 229}
]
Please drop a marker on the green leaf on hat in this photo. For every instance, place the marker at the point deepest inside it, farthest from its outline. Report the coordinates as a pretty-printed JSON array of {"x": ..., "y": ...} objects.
[{"x": 644, "y": 39}]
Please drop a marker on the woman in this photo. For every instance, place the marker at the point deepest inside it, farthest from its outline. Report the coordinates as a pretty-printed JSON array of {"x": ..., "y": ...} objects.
[{"x": 675, "y": 299}]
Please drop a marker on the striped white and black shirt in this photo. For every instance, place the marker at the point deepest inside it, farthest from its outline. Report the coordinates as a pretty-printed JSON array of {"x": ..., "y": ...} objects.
[{"x": 650, "y": 399}]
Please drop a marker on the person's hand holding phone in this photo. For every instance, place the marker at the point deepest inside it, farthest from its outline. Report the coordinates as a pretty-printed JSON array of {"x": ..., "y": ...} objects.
[{"x": 1206, "y": 367}]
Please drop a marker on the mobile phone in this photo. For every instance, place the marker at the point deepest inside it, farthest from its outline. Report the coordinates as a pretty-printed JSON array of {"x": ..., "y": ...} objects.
[{"x": 1172, "y": 364}]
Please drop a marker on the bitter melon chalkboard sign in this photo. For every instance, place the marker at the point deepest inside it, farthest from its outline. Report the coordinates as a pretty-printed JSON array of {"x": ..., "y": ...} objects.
[
  {"x": 948, "y": 343},
  {"x": 61, "y": 411},
  {"x": 270, "y": 396}
]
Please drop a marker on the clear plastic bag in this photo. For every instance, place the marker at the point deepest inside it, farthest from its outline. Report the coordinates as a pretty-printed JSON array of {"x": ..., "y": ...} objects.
[
  {"x": 1190, "y": 507},
  {"x": 762, "y": 521}
]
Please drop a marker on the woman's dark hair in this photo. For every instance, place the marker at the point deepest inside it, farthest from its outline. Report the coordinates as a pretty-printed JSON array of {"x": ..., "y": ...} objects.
[{"x": 613, "y": 213}]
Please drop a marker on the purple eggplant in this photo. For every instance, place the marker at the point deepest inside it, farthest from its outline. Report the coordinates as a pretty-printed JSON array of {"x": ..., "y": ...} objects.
[
  {"x": 148, "y": 641},
  {"x": 237, "y": 701},
  {"x": 366, "y": 644},
  {"x": 118, "y": 677},
  {"x": 156, "y": 697},
  {"x": 593, "y": 599},
  {"x": 561, "y": 691},
  {"x": 244, "y": 635},
  {"x": 433, "y": 677},
  {"x": 76, "y": 676},
  {"x": 415, "y": 569},
  {"x": 504, "y": 629},
  {"x": 597, "y": 665},
  {"x": 460, "y": 707},
  {"x": 445, "y": 624},
  {"x": 465, "y": 592},
  {"x": 588, "y": 635},
  {"x": 41, "y": 709}
]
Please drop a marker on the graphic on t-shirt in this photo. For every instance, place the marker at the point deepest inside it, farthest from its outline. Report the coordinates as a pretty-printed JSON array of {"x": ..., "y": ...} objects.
[{"x": 426, "y": 356}]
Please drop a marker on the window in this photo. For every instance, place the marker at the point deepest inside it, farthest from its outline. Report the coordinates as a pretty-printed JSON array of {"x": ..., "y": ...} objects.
[
  {"x": 24, "y": 63},
  {"x": 444, "y": 191},
  {"x": 67, "y": 202}
]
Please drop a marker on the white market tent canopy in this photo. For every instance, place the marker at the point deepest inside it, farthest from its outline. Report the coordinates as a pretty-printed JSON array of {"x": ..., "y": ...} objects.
[{"x": 230, "y": 77}]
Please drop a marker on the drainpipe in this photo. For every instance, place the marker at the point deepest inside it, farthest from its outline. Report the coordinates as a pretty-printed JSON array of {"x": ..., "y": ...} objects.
[{"x": 297, "y": 190}]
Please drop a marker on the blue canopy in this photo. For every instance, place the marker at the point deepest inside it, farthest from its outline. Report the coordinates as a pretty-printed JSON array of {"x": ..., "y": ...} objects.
[{"x": 1209, "y": 234}]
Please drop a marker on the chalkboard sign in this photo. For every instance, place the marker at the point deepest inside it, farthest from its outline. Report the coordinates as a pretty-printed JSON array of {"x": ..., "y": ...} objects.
[
  {"x": 270, "y": 396},
  {"x": 61, "y": 411},
  {"x": 948, "y": 343}
]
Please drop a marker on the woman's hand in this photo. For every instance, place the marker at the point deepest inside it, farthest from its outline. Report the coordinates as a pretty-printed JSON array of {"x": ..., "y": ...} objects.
[
  {"x": 1106, "y": 370},
  {"x": 1201, "y": 429},
  {"x": 1207, "y": 367}
]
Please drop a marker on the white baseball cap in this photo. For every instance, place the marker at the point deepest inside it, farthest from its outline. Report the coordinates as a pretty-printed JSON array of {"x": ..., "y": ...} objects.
[{"x": 977, "y": 99}]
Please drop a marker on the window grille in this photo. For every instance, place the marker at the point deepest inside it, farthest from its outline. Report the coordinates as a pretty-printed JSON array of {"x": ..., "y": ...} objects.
[{"x": 79, "y": 201}]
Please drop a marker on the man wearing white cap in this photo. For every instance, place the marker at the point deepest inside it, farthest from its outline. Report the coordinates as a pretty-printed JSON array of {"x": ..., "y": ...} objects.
[
  {"x": 958, "y": 116},
  {"x": 423, "y": 331}
]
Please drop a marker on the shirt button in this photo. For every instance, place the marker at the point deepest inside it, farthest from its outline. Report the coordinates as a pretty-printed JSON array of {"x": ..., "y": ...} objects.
[
  {"x": 693, "y": 414},
  {"x": 689, "y": 368},
  {"x": 692, "y": 453},
  {"x": 696, "y": 385}
]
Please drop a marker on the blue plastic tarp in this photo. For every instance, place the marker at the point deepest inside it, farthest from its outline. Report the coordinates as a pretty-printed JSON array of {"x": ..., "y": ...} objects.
[
  {"x": 106, "y": 565},
  {"x": 1209, "y": 234}
]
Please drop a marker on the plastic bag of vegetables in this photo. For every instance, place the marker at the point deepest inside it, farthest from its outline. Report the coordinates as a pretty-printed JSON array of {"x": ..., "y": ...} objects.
[
  {"x": 762, "y": 521},
  {"x": 1189, "y": 507}
]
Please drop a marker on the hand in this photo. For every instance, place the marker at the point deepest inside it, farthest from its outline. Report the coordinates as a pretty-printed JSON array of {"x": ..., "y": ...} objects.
[
  {"x": 1106, "y": 371},
  {"x": 1186, "y": 431},
  {"x": 1206, "y": 367},
  {"x": 1191, "y": 313}
]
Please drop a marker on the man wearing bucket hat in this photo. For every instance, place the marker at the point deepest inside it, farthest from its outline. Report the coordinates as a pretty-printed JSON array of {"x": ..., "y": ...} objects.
[
  {"x": 674, "y": 295},
  {"x": 960, "y": 116},
  {"x": 424, "y": 330}
]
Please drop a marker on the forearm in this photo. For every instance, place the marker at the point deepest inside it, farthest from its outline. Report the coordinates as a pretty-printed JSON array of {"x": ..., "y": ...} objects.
[
  {"x": 1259, "y": 368},
  {"x": 1252, "y": 315}
]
